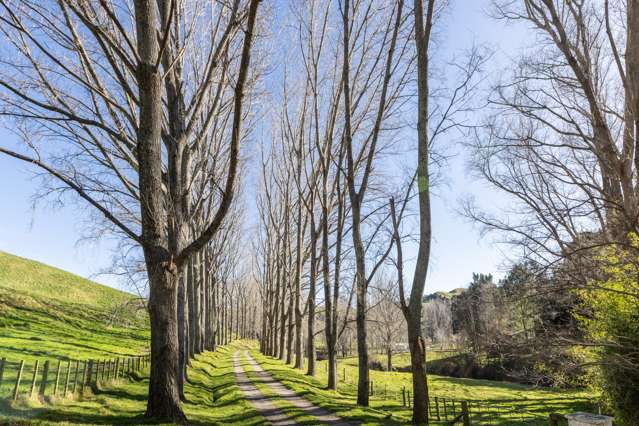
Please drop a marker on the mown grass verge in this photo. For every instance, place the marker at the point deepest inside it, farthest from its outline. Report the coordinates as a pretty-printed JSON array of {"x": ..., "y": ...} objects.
[
  {"x": 502, "y": 402},
  {"x": 50, "y": 314},
  {"x": 212, "y": 394}
]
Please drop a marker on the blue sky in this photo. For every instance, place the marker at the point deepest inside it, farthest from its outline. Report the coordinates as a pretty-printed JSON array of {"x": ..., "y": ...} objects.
[{"x": 50, "y": 234}]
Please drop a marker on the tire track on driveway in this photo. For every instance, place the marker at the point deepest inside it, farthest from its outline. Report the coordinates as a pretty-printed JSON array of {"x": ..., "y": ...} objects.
[
  {"x": 261, "y": 403},
  {"x": 324, "y": 416}
]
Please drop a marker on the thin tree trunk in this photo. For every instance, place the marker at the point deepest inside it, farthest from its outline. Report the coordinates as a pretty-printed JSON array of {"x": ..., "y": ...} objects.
[
  {"x": 361, "y": 305},
  {"x": 413, "y": 313},
  {"x": 190, "y": 292},
  {"x": 182, "y": 335},
  {"x": 310, "y": 338},
  {"x": 289, "y": 340}
]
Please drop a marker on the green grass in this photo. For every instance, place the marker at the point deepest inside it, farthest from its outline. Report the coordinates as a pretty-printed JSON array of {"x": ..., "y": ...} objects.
[
  {"x": 46, "y": 313},
  {"x": 293, "y": 412},
  {"x": 400, "y": 361},
  {"x": 342, "y": 404},
  {"x": 500, "y": 402},
  {"x": 213, "y": 399},
  {"x": 50, "y": 314}
]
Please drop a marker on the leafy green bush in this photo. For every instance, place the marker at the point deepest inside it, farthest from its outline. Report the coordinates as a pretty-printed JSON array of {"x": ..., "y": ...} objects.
[{"x": 612, "y": 326}]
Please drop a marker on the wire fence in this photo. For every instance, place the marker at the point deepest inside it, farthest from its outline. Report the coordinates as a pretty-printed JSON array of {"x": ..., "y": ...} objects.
[
  {"x": 452, "y": 411},
  {"x": 62, "y": 378}
]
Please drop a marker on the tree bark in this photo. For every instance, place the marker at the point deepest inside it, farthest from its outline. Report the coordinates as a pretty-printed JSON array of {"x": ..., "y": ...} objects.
[
  {"x": 413, "y": 312},
  {"x": 164, "y": 399},
  {"x": 310, "y": 338},
  {"x": 360, "y": 315},
  {"x": 182, "y": 335},
  {"x": 190, "y": 292}
]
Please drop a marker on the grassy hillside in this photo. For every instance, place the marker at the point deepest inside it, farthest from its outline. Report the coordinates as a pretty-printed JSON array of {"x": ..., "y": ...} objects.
[
  {"x": 49, "y": 313},
  {"x": 444, "y": 295}
]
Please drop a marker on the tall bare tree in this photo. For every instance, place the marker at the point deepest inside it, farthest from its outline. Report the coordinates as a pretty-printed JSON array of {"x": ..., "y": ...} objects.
[
  {"x": 120, "y": 125},
  {"x": 360, "y": 143},
  {"x": 561, "y": 140}
]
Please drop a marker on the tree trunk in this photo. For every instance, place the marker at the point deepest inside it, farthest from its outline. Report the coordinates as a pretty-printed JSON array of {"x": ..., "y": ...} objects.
[
  {"x": 413, "y": 313},
  {"x": 164, "y": 398},
  {"x": 283, "y": 324},
  {"x": 197, "y": 307},
  {"x": 329, "y": 330},
  {"x": 192, "y": 322},
  {"x": 310, "y": 338},
  {"x": 418, "y": 368},
  {"x": 202, "y": 317},
  {"x": 182, "y": 335},
  {"x": 289, "y": 340},
  {"x": 216, "y": 315},
  {"x": 360, "y": 315}
]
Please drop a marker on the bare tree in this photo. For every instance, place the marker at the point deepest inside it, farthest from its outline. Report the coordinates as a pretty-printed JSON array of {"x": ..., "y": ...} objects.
[
  {"x": 117, "y": 92},
  {"x": 561, "y": 140},
  {"x": 375, "y": 71},
  {"x": 438, "y": 112},
  {"x": 389, "y": 325}
]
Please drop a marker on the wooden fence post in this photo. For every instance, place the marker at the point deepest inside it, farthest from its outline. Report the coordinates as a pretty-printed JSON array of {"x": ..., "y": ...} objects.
[
  {"x": 465, "y": 413},
  {"x": 3, "y": 362},
  {"x": 408, "y": 397},
  {"x": 66, "y": 382},
  {"x": 403, "y": 396},
  {"x": 555, "y": 419},
  {"x": 35, "y": 378},
  {"x": 17, "y": 388},
  {"x": 445, "y": 409},
  {"x": 117, "y": 368},
  {"x": 45, "y": 378},
  {"x": 75, "y": 376},
  {"x": 57, "y": 378},
  {"x": 89, "y": 372},
  {"x": 437, "y": 408}
]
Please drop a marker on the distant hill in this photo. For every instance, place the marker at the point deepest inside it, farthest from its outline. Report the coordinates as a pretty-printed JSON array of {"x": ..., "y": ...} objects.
[
  {"x": 444, "y": 295},
  {"x": 46, "y": 312}
]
